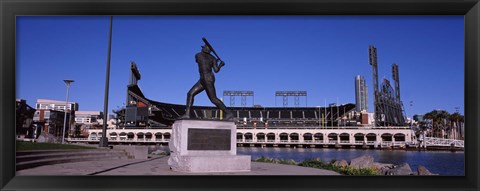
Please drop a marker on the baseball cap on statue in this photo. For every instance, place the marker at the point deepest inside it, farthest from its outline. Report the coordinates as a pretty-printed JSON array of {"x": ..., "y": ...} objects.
[{"x": 205, "y": 46}]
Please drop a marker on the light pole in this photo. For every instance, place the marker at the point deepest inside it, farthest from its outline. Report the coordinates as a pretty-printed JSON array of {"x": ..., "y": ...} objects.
[
  {"x": 457, "y": 126},
  {"x": 411, "y": 120},
  {"x": 66, "y": 110},
  {"x": 338, "y": 115},
  {"x": 325, "y": 118},
  {"x": 104, "y": 140}
]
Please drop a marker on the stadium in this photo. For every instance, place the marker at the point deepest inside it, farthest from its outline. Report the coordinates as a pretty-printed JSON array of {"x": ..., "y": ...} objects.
[
  {"x": 141, "y": 112},
  {"x": 144, "y": 121}
]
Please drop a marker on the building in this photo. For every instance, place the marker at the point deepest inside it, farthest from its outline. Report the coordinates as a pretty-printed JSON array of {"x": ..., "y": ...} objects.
[
  {"x": 88, "y": 117},
  {"x": 418, "y": 118},
  {"x": 85, "y": 120},
  {"x": 50, "y": 115},
  {"x": 366, "y": 119},
  {"x": 24, "y": 119},
  {"x": 55, "y": 105},
  {"x": 143, "y": 113},
  {"x": 51, "y": 121},
  {"x": 361, "y": 94}
]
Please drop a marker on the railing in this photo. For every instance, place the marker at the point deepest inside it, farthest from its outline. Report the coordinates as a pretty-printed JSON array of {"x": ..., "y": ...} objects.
[
  {"x": 386, "y": 144},
  {"x": 432, "y": 141},
  {"x": 429, "y": 141},
  {"x": 94, "y": 139},
  {"x": 399, "y": 143},
  {"x": 79, "y": 139}
]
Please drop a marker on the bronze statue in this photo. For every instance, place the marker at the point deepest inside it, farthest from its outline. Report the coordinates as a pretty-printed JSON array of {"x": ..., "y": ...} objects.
[{"x": 206, "y": 62}]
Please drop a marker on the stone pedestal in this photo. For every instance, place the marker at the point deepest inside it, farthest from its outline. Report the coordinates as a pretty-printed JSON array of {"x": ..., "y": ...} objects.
[{"x": 205, "y": 146}]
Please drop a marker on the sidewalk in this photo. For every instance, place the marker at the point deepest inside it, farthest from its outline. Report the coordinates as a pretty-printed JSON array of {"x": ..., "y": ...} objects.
[{"x": 159, "y": 166}]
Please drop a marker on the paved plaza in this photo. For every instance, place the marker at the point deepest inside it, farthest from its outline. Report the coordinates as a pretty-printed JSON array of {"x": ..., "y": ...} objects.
[{"x": 158, "y": 167}]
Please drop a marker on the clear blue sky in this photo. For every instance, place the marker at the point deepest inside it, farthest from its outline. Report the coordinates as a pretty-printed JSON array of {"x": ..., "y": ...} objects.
[{"x": 318, "y": 54}]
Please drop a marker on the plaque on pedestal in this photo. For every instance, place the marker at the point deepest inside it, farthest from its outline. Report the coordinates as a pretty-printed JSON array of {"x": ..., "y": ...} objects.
[{"x": 205, "y": 146}]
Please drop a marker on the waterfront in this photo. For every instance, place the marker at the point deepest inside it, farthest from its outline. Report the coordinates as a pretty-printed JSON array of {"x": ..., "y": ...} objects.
[
  {"x": 445, "y": 163},
  {"x": 438, "y": 162}
]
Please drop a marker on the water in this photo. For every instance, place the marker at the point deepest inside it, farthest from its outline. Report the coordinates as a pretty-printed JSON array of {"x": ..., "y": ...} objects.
[{"x": 438, "y": 162}]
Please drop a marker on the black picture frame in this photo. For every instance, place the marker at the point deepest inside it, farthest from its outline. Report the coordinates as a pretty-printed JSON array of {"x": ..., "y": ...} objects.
[{"x": 12, "y": 8}]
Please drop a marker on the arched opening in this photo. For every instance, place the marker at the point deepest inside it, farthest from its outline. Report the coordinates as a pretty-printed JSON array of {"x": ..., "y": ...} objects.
[
  {"x": 158, "y": 136},
  {"x": 399, "y": 137},
  {"x": 308, "y": 137},
  {"x": 130, "y": 136},
  {"x": 318, "y": 137},
  {"x": 271, "y": 137},
  {"x": 166, "y": 136},
  {"x": 371, "y": 138},
  {"x": 113, "y": 136},
  {"x": 260, "y": 137},
  {"x": 359, "y": 137},
  {"x": 332, "y": 138},
  {"x": 148, "y": 136},
  {"x": 294, "y": 137},
  {"x": 386, "y": 137},
  {"x": 123, "y": 136},
  {"x": 140, "y": 136},
  {"x": 283, "y": 137},
  {"x": 344, "y": 138},
  {"x": 239, "y": 137},
  {"x": 248, "y": 137},
  {"x": 93, "y": 136}
]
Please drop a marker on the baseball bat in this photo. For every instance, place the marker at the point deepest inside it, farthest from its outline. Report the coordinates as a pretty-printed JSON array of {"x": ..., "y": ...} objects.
[{"x": 210, "y": 47}]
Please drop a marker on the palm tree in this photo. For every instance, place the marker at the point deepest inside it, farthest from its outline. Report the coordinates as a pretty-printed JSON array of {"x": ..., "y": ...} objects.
[
  {"x": 442, "y": 119},
  {"x": 438, "y": 122},
  {"x": 429, "y": 124},
  {"x": 422, "y": 127},
  {"x": 454, "y": 122},
  {"x": 461, "y": 122}
]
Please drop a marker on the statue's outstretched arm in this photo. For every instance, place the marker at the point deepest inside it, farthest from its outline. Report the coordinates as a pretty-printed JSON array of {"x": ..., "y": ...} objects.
[{"x": 216, "y": 67}]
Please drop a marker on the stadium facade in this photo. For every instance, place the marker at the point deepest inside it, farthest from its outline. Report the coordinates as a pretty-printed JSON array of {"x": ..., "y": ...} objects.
[
  {"x": 141, "y": 112},
  {"x": 145, "y": 121}
]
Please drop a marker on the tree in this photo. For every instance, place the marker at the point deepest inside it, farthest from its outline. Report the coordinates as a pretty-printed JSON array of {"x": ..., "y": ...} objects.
[
  {"x": 454, "y": 124},
  {"x": 422, "y": 128},
  {"x": 460, "y": 124},
  {"x": 428, "y": 123},
  {"x": 438, "y": 122},
  {"x": 443, "y": 117}
]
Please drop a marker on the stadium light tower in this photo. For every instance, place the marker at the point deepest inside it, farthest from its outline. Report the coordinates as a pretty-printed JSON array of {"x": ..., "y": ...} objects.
[
  {"x": 319, "y": 113},
  {"x": 66, "y": 110}
]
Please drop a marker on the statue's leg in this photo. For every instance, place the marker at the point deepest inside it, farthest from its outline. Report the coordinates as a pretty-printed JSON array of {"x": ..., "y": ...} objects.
[
  {"x": 197, "y": 88},
  {"x": 212, "y": 95}
]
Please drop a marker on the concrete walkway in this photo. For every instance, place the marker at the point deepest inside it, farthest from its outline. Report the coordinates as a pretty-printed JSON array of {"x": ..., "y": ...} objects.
[{"x": 158, "y": 166}]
